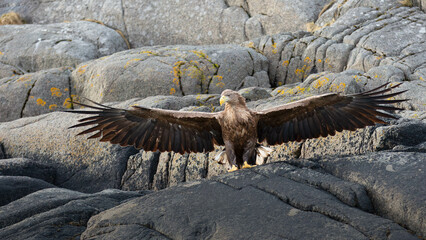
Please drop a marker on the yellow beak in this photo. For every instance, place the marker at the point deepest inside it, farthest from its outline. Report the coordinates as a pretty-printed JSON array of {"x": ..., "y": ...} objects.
[{"x": 223, "y": 99}]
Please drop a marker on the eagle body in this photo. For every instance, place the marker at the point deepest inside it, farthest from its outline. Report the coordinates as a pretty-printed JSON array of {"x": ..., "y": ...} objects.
[
  {"x": 239, "y": 134},
  {"x": 242, "y": 131}
]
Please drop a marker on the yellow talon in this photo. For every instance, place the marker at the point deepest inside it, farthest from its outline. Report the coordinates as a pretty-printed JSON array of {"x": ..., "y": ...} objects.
[
  {"x": 234, "y": 168},
  {"x": 246, "y": 165}
]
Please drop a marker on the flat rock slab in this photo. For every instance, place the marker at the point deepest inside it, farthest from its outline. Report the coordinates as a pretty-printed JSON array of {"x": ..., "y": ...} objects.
[
  {"x": 170, "y": 70},
  {"x": 56, "y": 213},
  {"x": 395, "y": 182},
  {"x": 266, "y": 202},
  {"x": 88, "y": 166},
  {"x": 35, "y": 93},
  {"x": 27, "y": 167},
  {"x": 15, "y": 187},
  {"x": 33, "y": 47}
]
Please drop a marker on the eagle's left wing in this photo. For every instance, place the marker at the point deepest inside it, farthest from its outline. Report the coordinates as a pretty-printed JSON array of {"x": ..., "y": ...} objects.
[
  {"x": 325, "y": 114},
  {"x": 152, "y": 129}
]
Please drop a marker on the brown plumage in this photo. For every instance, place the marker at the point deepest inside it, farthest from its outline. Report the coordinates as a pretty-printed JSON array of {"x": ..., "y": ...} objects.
[{"x": 237, "y": 127}]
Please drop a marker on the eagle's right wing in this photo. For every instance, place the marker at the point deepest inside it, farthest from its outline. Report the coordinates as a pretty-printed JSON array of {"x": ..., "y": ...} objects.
[
  {"x": 325, "y": 114},
  {"x": 153, "y": 129}
]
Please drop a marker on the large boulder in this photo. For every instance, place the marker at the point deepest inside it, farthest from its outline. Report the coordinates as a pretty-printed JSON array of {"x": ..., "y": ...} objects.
[
  {"x": 169, "y": 70},
  {"x": 15, "y": 187},
  {"x": 56, "y": 213},
  {"x": 264, "y": 202},
  {"x": 33, "y": 47},
  {"x": 87, "y": 166},
  {"x": 27, "y": 167},
  {"x": 193, "y": 22},
  {"x": 360, "y": 38},
  {"x": 394, "y": 180},
  {"x": 34, "y": 93}
]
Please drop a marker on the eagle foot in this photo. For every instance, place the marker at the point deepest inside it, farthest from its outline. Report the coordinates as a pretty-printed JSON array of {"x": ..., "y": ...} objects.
[
  {"x": 234, "y": 168},
  {"x": 246, "y": 165}
]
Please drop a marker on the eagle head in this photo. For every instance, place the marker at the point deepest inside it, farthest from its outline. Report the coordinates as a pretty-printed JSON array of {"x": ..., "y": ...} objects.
[{"x": 231, "y": 97}]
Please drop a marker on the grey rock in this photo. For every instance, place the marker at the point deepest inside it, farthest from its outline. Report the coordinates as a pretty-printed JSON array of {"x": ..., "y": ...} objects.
[
  {"x": 56, "y": 213},
  {"x": 233, "y": 205},
  {"x": 35, "y": 93},
  {"x": 169, "y": 70},
  {"x": 15, "y": 187},
  {"x": 146, "y": 23},
  {"x": 7, "y": 70},
  {"x": 36, "y": 47},
  {"x": 2, "y": 154},
  {"x": 83, "y": 165},
  {"x": 359, "y": 35},
  {"x": 27, "y": 167},
  {"x": 394, "y": 182},
  {"x": 254, "y": 93}
]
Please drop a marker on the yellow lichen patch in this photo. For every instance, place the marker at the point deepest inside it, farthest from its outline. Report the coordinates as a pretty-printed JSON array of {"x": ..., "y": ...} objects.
[
  {"x": 337, "y": 87},
  {"x": 357, "y": 79},
  {"x": 1, "y": 53},
  {"x": 321, "y": 82},
  {"x": 112, "y": 90},
  {"x": 300, "y": 89},
  {"x": 285, "y": 63},
  {"x": 220, "y": 84},
  {"x": 172, "y": 91},
  {"x": 67, "y": 103},
  {"x": 421, "y": 78},
  {"x": 31, "y": 97},
  {"x": 307, "y": 59},
  {"x": 200, "y": 54},
  {"x": 274, "y": 47},
  {"x": 56, "y": 92},
  {"x": 23, "y": 79},
  {"x": 53, "y": 107},
  {"x": 319, "y": 60},
  {"x": 131, "y": 61},
  {"x": 376, "y": 76},
  {"x": 82, "y": 69},
  {"x": 66, "y": 90},
  {"x": 40, "y": 102},
  {"x": 251, "y": 45}
]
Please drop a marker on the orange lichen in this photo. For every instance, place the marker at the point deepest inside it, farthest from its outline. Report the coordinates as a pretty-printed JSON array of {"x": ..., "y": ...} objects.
[
  {"x": 172, "y": 91},
  {"x": 274, "y": 47},
  {"x": 56, "y": 92},
  {"x": 285, "y": 63},
  {"x": 82, "y": 69},
  {"x": 131, "y": 61},
  {"x": 23, "y": 79},
  {"x": 321, "y": 82},
  {"x": 40, "y": 102},
  {"x": 53, "y": 106},
  {"x": 1, "y": 53}
]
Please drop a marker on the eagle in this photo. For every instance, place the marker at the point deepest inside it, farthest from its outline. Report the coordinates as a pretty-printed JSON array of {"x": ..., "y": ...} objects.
[{"x": 242, "y": 131}]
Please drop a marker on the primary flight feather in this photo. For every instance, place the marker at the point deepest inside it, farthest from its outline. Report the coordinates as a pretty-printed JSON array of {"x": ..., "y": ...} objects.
[{"x": 238, "y": 128}]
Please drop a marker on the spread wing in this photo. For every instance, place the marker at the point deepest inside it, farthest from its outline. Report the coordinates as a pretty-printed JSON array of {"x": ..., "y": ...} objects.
[
  {"x": 324, "y": 115},
  {"x": 153, "y": 129}
]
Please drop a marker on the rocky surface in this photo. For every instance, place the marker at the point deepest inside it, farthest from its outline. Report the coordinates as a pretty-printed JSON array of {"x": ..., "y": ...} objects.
[
  {"x": 35, "y": 93},
  {"x": 263, "y": 202},
  {"x": 56, "y": 213},
  {"x": 147, "y": 23},
  {"x": 366, "y": 184},
  {"x": 170, "y": 70},
  {"x": 33, "y": 47}
]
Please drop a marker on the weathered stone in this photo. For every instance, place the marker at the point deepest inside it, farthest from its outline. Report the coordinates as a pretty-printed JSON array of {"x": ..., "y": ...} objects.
[
  {"x": 254, "y": 93},
  {"x": 27, "y": 167},
  {"x": 84, "y": 165},
  {"x": 15, "y": 187},
  {"x": 36, "y": 47},
  {"x": 233, "y": 205},
  {"x": 7, "y": 70},
  {"x": 171, "y": 70},
  {"x": 394, "y": 182},
  {"x": 56, "y": 213},
  {"x": 194, "y": 22},
  {"x": 34, "y": 93}
]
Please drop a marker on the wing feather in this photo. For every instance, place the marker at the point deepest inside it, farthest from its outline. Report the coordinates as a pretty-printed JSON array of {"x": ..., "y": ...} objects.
[
  {"x": 325, "y": 114},
  {"x": 152, "y": 129}
]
